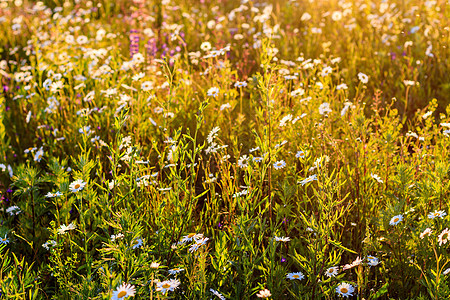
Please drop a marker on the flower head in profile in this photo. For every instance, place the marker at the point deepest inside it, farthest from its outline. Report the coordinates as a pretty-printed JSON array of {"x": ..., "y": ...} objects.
[
  {"x": 372, "y": 260},
  {"x": 437, "y": 214},
  {"x": 308, "y": 179},
  {"x": 345, "y": 289},
  {"x": 63, "y": 228},
  {"x": 217, "y": 294},
  {"x": 264, "y": 293},
  {"x": 332, "y": 272},
  {"x": 77, "y": 185},
  {"x": 376, "y": 177},
  {"x": 297, "y": 275},
  {"x": 426, "y": 232},
  {"x": 240, "y": 84},
  {"x": 283, "y": 239},
  {"x": 395, "y": 220},
  {"x": 123, "y": 291},
  {"x": 444, "y": 237},
  {"x": 175, "y": 271},
  {"x": 191, "y": 237}
]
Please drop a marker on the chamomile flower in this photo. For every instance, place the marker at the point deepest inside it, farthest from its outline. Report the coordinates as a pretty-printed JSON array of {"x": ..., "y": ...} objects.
[
  {"x": 123, "y": 291},
  {"x": 147, "y": 86},
  {"x": 300, "y": 154},
  {"x": 283, "y": 239},
  {"x": 372, "y": 260},
  {"x": 213, "y": 92},
  {"x": 308, "y": 179},
  {"x": 297, "y": 275},
  {"x": 240, "y": 84},
  {"x": 345, "y": 289},
  {"x": 332, "y": 271},
  {"x": 217, "y": 294},
  {"x": 437, "y": 214},
  {"x": 198, "y": 244},
  {"x": 190, "y": 237},
  {"x": 77, "y": 185},
  {"x": 137, "y": 243},
  {"x": 63, "y": 228},
  {"x": 395, "y": 220},
  {"x": 264, "y": 293},
  {"x": 444, "y": 237},
  {"x": 4, "y": 240},
  {"x": 175, "y": 271},
  {"x": 426, "y": 232},
  {"x": 49, "y": 244},
  {"x": 325, "y": 108},
  {"x": 376, "y": 177},
  {"x": 39, "y": 154},
  {"x": 279, "y": 164},
  {"x": 363, "y": 77},
  {"x": 13, "y": 210},
  {"x": 243, "y": 161},
  {"x": 167, "y": 285}
]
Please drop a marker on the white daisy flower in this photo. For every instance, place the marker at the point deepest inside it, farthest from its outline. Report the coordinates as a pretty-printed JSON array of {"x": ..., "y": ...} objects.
[
  {"x": 372, "y": 260},
  {"x": 213, "y": 92},
  {"x": 345, "y": 289},
  {"x": 167, "y": 285},
  {"x": 283, "y": 239},
  {"x": 395, "y": 220},
  {"x": 437, "y": 214},
  {"x": 332, "y": 271},
  {"x": 123, "y": 291},
  {"x": 444, "y": 237},
  {"x": 297, "y": 275},
  {"x": 279, "y": 164},
  {"x": 264, "y": 293},
  {"x": 77, "y": 186},
  {"x": 217, "y": 294},
  {"x": 363, "y": 77}
]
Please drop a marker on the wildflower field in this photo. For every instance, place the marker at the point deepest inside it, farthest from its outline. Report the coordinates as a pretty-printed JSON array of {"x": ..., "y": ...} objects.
[{"x": 225, "y": 149}]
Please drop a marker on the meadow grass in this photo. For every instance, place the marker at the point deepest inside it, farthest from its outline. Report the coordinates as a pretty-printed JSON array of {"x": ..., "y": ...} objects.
[{"x": 176, "y": 149}]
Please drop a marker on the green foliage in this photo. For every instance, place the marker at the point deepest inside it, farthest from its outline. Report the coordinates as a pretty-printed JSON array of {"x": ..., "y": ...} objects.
[{"x": 192, "y": 149}]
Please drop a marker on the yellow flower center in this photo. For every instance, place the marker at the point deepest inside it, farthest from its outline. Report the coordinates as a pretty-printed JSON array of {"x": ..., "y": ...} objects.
[
  {"x": 445, "y": 236},
  {"x": 190, "y": 235},
  {"x": 166, "y": 286},
  {"x": 4, "y": 240},
  {"x": 121, "y": 294},
  {"x": 396, "y": 219},
  {"x": 77, "y": 186},
  {"x": 295, "y": 276},
  {"x": 344, "y": 290}
]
